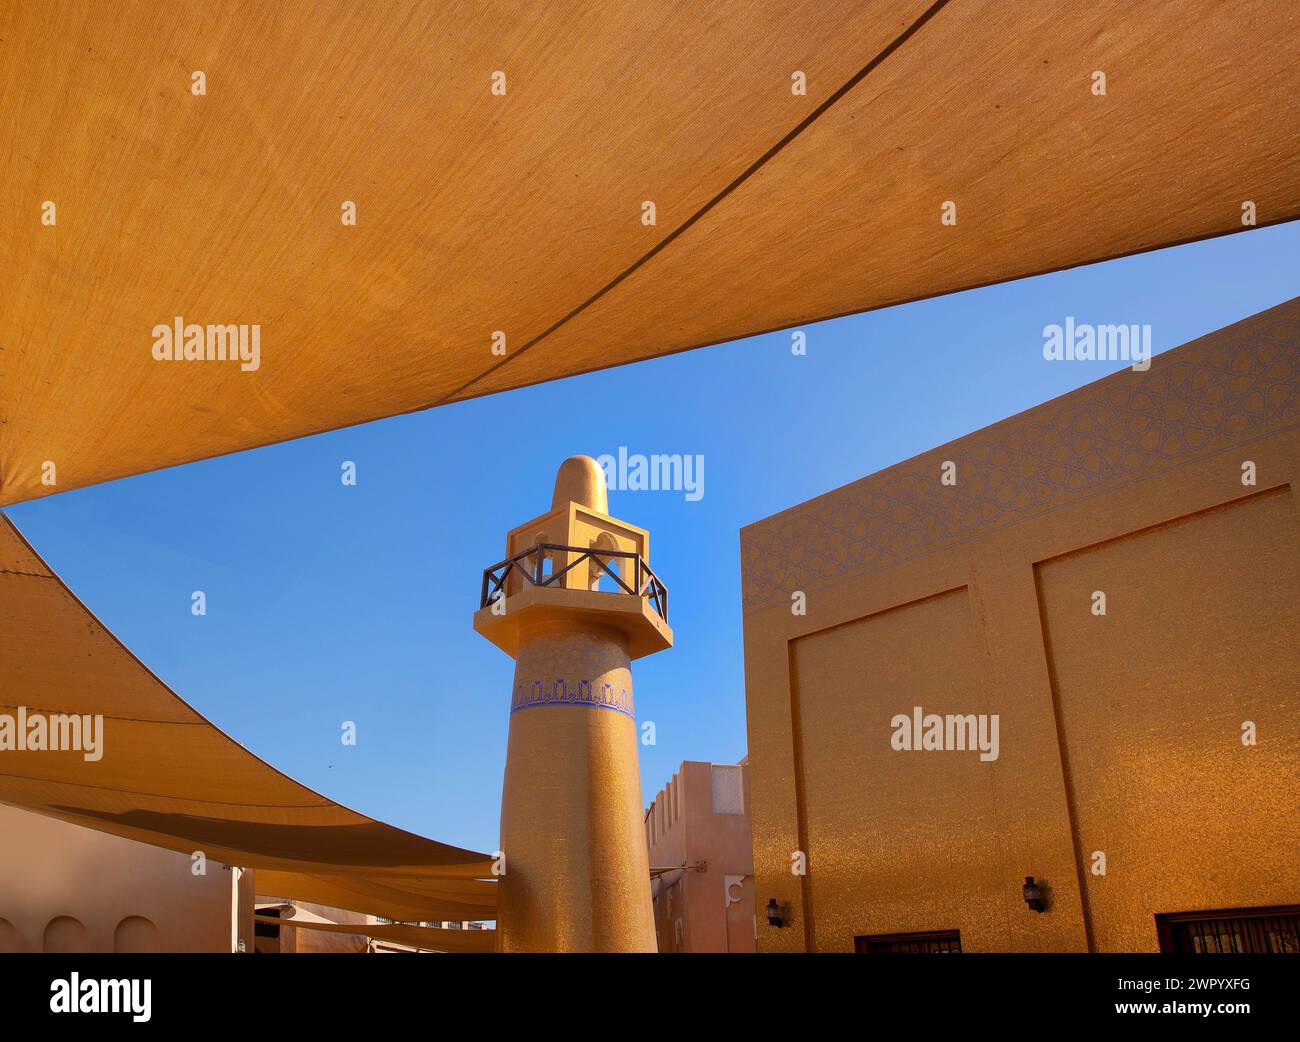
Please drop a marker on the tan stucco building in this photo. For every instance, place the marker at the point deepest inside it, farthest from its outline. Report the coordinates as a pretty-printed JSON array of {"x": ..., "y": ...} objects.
[
  {"x": 64, "y": 888},
  {"x": 701, "y": 860},
  {"x": 1110, "y": 579}
]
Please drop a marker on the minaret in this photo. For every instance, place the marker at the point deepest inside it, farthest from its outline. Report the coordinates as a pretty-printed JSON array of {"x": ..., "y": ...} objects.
[{"x": 574, "y": 602}]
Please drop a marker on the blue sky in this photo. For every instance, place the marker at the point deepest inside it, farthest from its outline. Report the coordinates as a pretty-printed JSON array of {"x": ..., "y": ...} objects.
[{"x": 329, "y": 603}]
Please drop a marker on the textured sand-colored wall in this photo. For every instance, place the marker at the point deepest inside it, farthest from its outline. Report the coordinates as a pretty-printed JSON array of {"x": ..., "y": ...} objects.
[{"x": 1119, "y": 733}]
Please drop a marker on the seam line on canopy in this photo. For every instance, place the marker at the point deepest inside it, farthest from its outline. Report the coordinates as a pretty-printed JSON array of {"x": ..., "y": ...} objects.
[
  {"x": 178, "y": 799},
  {"x": 106, "y": 716},
  {"x": 740, "y": 179}
]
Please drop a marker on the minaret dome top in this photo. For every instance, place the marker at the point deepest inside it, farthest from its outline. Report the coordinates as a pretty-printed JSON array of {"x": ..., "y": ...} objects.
[{"x": 580, "y": 480}]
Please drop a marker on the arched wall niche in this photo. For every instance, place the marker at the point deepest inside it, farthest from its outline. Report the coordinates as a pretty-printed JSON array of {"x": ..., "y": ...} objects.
[
  {"x": 63, "y": 933},
  {"x": 135, "y": 933}
]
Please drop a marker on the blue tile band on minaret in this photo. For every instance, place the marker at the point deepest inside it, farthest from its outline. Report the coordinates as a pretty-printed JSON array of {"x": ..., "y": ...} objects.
[{"x": 583, "y": 693}]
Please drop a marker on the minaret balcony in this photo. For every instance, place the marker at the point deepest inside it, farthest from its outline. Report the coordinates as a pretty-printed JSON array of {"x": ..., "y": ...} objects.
[{"x": 552, "y": 580}]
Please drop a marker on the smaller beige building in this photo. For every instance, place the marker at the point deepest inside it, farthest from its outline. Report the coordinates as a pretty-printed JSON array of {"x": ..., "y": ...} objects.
[
  {"x": 305, "y": 928},
  {"x": 701, "y": 860},
  {"x": 64, "y": 888},
  {"x": 286, "y": 938}
]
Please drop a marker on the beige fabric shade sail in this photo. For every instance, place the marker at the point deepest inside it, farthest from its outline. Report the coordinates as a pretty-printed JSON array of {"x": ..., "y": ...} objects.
[
  {"x": 367, "y": 895},
  {"x": 430, "y": 938},
  {"x": 130, "y": 198},
  {"x": 165, "y": 775}
]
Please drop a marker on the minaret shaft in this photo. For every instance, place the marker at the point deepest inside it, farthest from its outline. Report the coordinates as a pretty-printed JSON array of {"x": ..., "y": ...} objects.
[{"x": 577, "y": 876}]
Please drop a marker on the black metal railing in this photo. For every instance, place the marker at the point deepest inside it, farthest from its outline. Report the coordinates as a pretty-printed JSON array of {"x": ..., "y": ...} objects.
[{"x": 529, "y": 565}]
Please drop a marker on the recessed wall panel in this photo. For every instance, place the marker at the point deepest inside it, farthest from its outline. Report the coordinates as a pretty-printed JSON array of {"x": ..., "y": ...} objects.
[
  {"x": 879, "y": 823},
  {"x": 1196, "y": 650}
]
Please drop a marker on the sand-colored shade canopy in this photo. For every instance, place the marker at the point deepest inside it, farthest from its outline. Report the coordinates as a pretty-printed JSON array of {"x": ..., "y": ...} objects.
[
  {"x": 367, "y": 895},
  {"x": 429, "y": 938},
  {"x": 169, "y": 777},
  {"x": 573, "y": 184}
]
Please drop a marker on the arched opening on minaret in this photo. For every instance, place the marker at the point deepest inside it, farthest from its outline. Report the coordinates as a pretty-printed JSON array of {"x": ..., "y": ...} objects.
[
  {"x": 600, "y": 579},
  {"x": 543, "y": 562}
]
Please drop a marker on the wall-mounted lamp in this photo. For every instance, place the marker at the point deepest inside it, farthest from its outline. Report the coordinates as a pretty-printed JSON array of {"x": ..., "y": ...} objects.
[
  {"x": 774, "y": 914},
  {"x": 1033, "y": 894}
]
